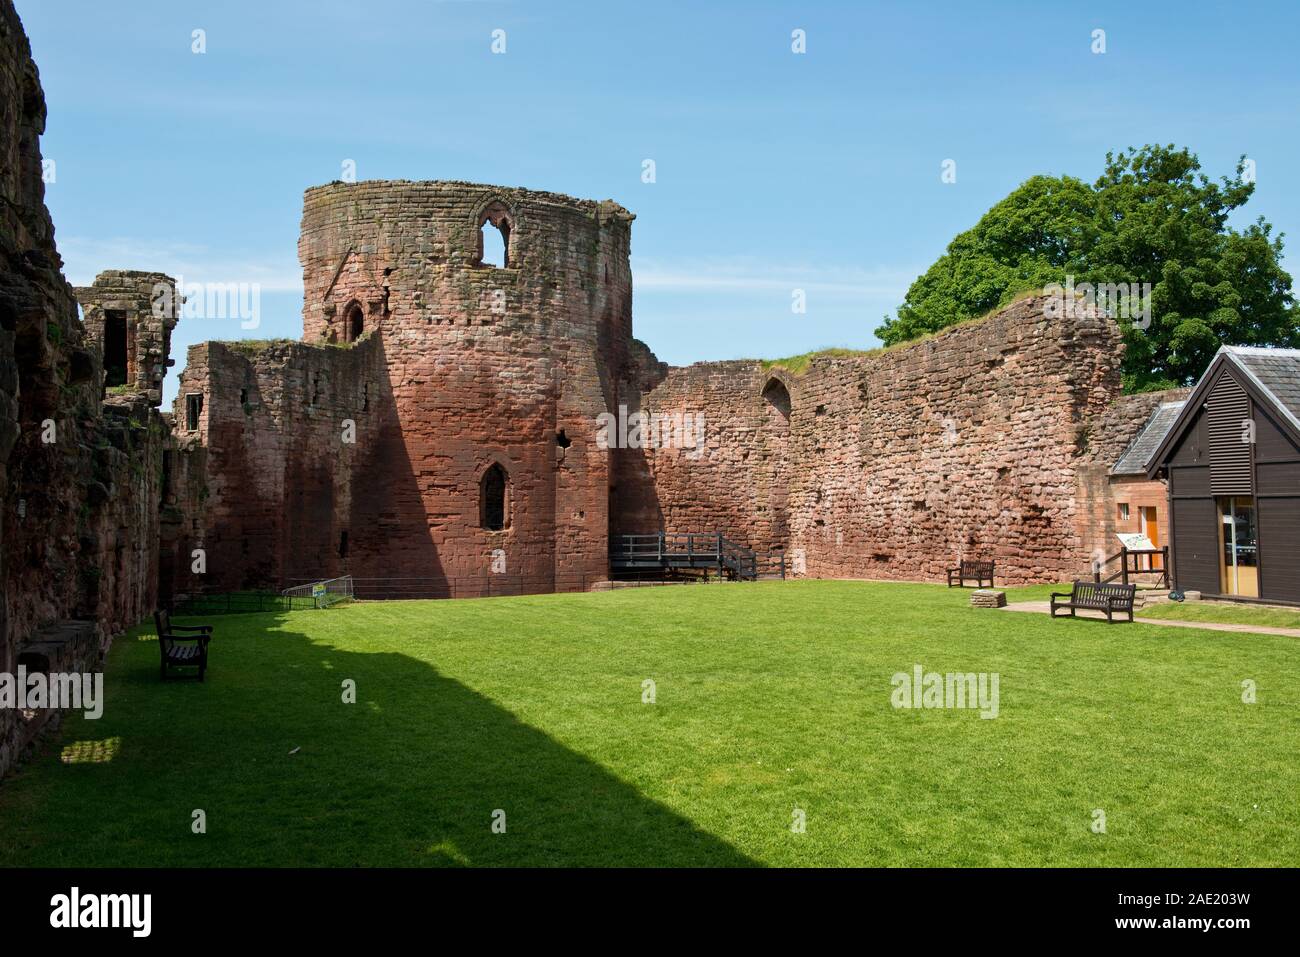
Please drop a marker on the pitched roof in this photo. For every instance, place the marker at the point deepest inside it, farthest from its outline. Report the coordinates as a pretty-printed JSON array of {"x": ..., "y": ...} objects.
[
  {"x": 1272, "y": 376},
  {"x": 1144, "y": 444},
  {"x": 1276, "y": 371}
]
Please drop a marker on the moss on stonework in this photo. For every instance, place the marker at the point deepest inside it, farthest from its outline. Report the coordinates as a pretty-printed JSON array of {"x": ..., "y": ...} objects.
[
  {"x": 255, "y": 346},
  {"x": 799, "y": 364}
]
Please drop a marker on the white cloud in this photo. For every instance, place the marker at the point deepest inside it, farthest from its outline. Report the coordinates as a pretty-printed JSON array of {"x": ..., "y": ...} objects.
[{"x": 85, "y": 258}]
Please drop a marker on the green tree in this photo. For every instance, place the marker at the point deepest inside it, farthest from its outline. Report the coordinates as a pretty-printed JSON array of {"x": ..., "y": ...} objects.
[{"x": 1152, "y": 217}]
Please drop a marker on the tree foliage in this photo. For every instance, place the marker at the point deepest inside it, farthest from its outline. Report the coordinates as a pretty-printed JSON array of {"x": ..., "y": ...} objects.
[{"x": 1152, "y": 217}]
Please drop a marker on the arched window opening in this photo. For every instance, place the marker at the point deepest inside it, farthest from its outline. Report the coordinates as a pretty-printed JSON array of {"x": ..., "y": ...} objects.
[
  {"x": 494, "y": 230},
  {"x": 778, "y": 399},
  {"x": 494, "y": 498},
  {"x": 494, "y": 245},
  {"x": 354, "y": 322}
]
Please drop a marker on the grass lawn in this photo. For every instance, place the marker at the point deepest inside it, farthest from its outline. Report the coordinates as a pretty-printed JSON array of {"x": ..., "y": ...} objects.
[
  {"x": 769, "y": 697},
  {"x": 1227, "y": 614}
]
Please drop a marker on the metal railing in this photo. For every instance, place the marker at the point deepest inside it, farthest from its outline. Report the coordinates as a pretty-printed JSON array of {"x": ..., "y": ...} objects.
[
  {"x": 410, "y": 588},
  {"x": 1131, "y": 562},
  {"x": 683, "y": 551},
  {"x": 230, "y": 603},
  {"x": 321, "y": 594}
]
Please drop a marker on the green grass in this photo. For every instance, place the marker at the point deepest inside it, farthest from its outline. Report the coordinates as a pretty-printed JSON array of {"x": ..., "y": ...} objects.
[
  {"x": 1226, "y": 614},
  {"x": 770, "y": 697}
]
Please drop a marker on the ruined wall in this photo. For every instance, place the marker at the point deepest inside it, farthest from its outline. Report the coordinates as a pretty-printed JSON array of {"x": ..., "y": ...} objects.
[
  {"x": 268, "y": 481},
  {"x": 737, "y": 484},
  {"x": 448, "y": 367},
  {"x": 147, "y": 306},
  {"x": 991, "y": 438},
  {"x": 897, "y": 464},
  {"x": 79, "y": 478}
]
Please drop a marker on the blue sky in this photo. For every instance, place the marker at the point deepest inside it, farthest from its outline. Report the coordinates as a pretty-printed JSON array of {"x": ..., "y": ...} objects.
[{"x": 775, "y": 171}]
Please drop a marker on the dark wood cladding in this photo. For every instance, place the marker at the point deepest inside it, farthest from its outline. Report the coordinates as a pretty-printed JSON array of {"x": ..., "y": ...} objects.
[
  {"x": 1279, "y": 522},
  {"x": 1196, "y": 544},
  {"x": 1206, "y": 460},
  {"x": 1228, "y": 427}
]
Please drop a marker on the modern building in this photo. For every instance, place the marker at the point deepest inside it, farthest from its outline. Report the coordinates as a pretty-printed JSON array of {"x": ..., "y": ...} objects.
[{"x": 1232, "y": 461}]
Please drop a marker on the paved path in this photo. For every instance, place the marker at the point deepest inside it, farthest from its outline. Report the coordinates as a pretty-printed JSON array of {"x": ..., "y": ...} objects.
[{"x": 1044, "y": 608}]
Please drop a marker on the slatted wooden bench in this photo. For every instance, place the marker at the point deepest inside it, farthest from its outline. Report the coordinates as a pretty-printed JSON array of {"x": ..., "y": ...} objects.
[
  {"x": 979, "y": 569},
  {"x": 182, "y": 646},
  {"x": 1095, "y": 596}
]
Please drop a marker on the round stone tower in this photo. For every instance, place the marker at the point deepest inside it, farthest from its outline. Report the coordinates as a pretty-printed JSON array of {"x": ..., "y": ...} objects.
[{"x": 476, "y": 453}]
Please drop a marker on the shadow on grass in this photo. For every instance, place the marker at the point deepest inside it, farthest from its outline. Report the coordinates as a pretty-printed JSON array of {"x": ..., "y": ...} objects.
[{"x": 409, "y": 775}]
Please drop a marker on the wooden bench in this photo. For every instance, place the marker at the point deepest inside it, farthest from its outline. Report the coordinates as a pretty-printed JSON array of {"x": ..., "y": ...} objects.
[
  {"x": 1094, "y": 596},
  {"x": 182, "y": 646},
  {"x": 978, "y": 569}
]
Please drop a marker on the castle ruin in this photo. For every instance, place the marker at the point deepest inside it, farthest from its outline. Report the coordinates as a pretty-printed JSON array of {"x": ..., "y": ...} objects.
[
  {"x": 440, "y": 422},
  {"x": 441, "y": 414}
]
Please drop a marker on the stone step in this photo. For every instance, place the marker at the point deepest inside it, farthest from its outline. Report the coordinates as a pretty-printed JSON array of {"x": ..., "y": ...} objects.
[{"x": 1149, "y": 596}]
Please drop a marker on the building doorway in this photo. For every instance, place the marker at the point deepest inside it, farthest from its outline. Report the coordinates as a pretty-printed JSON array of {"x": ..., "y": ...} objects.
[
  {"x": 1149, "y": 525},
  {"x": 1238, "y": 547}
]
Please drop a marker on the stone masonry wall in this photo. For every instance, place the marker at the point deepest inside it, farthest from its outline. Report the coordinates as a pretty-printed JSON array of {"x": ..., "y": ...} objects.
[
  {"x": 150, "y": 306},
  {"x": 463, "y": 367},
  {"x": 267, "y": 483},
  {"x": 897, "y": 464},
  {"x": 78, "y": 476}
]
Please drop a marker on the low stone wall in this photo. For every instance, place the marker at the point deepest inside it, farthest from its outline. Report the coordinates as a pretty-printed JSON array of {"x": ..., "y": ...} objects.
[{"x": 61, "y": 648}]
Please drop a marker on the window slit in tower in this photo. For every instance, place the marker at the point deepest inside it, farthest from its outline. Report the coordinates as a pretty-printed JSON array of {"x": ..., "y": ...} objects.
[
  {"x": 494, "y": 498},
  {"x": 193, "y": 409}
]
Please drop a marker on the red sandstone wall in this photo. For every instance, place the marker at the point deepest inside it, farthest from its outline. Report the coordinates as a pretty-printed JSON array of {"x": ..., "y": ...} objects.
[
  {"x": 78, "y": 475},
  {"x": 982, "y": 440},
  {"x": 896, "y": 464},
  {"x": 462, "y": 366}
]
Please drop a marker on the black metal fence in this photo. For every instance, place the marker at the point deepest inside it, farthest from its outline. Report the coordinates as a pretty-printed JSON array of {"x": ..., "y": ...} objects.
[
  {"x": 297, "y": 596},
  {"x": 477, "y": 586},
  {"x": 236, "y": 603},
  {"x": 681, "y": 551}
]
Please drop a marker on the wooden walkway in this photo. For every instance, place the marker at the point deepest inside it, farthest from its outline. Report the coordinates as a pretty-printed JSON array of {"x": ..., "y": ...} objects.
[{"x": 689, "y": 552}]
